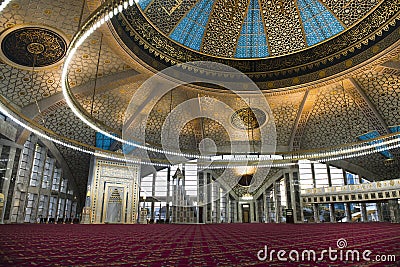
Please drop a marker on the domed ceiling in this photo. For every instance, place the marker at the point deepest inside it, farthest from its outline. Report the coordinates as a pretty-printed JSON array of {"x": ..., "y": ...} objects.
[
  {"x": 278, "y": 44},
  {"x": 253, "y": 28}
]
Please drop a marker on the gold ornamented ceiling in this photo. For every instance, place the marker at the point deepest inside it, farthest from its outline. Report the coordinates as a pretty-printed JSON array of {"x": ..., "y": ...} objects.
[
  {"x": 319, "y": 111},
  {"x": 279, "y": 44}
]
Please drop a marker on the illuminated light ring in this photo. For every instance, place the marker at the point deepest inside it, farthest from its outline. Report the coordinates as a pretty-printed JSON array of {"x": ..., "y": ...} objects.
[
  {"x": 98, "y": 18},
  {"x": 4, "y": 4},
  {"x": 104, "y": 13},
  {"x": 83, "y": 150},
  {"x": 9, "y": 115}
]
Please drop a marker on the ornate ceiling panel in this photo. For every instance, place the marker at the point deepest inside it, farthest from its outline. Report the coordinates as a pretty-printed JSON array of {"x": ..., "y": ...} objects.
[
  {"x": 60, "y": 119},
  {"x": 166, "y": 14},
  {"x": 215, "y": 131},
  {"x": 334, "y": 120},
  {"x": 285, "y": 108},
  {"x": 350, "y": 11},
  {"x": 247, "y": 28},
  {"x": 17, "y": 84},
  {"x": 319, "y": 23},
  {"x": 378, "y": 164},
  {"x": 252, "y": 42},
  {"x": 83, "y": 68},
  {"x": 63, "y": 14},
  {"x": 332, "y": 53},
  {"x": 284, "y": 29},
  {"x": 223, "y": 28},
  {"x": 78, "y": 163},
  {"x": 384, "y": 92},
  {"x": 33, "y": 47},
  {"x": 110, "y": 107},
  {"x": 190, "y": 30}
]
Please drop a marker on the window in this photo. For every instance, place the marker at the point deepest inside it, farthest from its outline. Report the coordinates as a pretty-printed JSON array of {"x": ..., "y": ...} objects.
[
  {"x": 56, "y": 179},
  {"x": 352, "y": 178},
  {"x": 61, "y": 206},
  {"x": 161, "y": 183},
  {"x": 52, "y": 207},
  {"x": 48, "y": 173},
  {"x": 37, "y": 166},
  {"x": 64, "y": 184},
  {"x": 337, "y": 178},
  {"x": 306, "y": 179},
  {"x": 29, "y": 211},
  {"x": 43, "y": 204},
  {"x": 321, "y": 175}
]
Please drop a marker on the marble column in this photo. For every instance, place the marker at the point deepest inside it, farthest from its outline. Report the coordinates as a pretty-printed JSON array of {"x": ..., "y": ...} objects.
[
  {"x": 240, "y": 213},
  {"x": 348, "y": 211},
  {"x": 256, "y": 211},
  {"x": 316, "y": 213},
  {"x": 235, "y": 211},
  {"x": 379, "y": 211},
  {"x": 277, "y": 194},
  {"x": 332, "y": 212},
  {"x": 364, "y": 216},
  {"x": 265, "y": 208}
]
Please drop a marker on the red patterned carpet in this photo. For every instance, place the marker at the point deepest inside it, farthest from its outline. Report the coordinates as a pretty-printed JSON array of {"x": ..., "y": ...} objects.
[{"x": 193, "y": 245}]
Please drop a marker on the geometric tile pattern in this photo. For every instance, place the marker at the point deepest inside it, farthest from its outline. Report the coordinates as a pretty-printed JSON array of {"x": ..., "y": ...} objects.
[
  {"x": 63, "y": 14},
  {"x": 190, "y": 30},
  {"x": 143, "y": 3},
  {"x": 109, "y": 107},
  {"x": 285, "y": 108},
  {"x": 384, "y": 92},
  {"x": 63, "y": 121},
  {"x": 350, "y": 11},
  {"x": 283, "y": 25},
  {"x": 82, "y": 68},
  {"x": 334, "y": 120},
  {"x": 165, "y": 14},
  {"x": 223, "y": 28}
]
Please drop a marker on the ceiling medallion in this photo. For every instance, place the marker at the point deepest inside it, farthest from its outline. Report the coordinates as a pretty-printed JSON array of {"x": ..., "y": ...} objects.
[
  {"x": 248, "y": 118},
  {"x": 28, "y": 46},
  {"x": 246, "y": 180}
]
